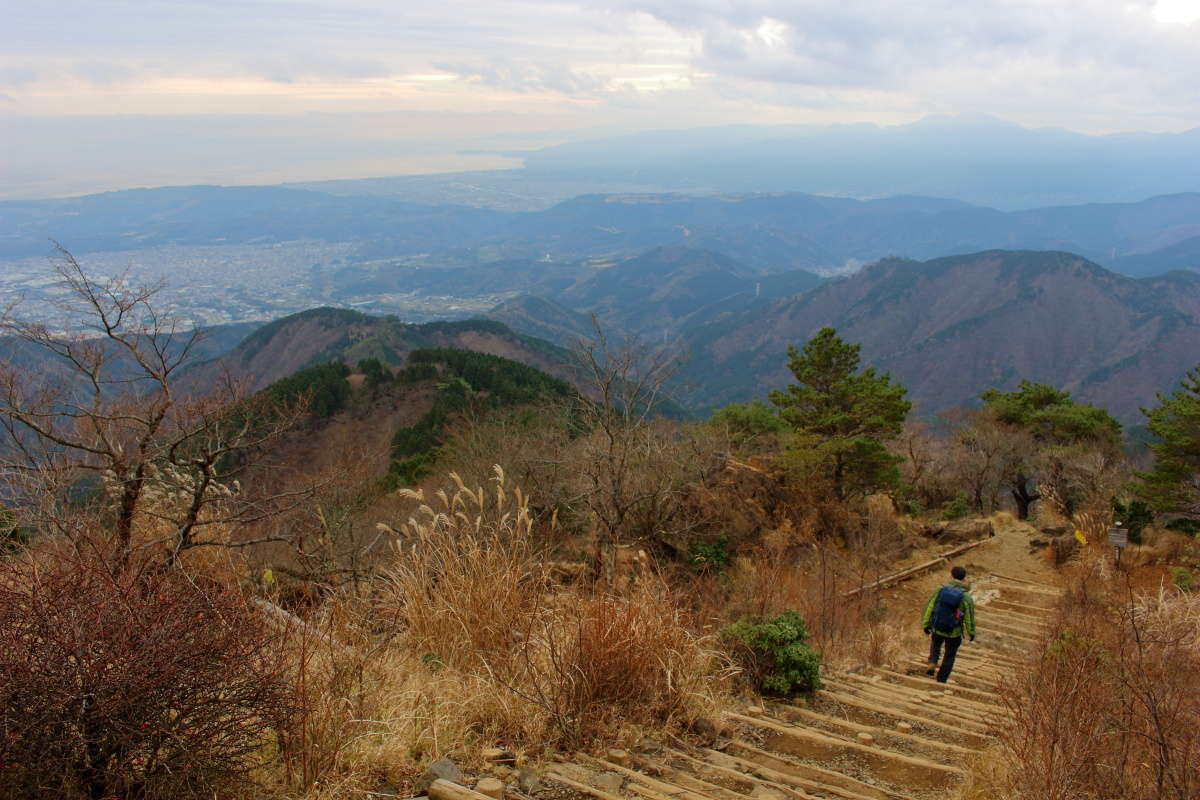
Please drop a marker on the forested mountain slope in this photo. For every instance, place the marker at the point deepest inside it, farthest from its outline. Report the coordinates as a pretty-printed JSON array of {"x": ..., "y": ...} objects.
[{"x": 952, "y": 327}]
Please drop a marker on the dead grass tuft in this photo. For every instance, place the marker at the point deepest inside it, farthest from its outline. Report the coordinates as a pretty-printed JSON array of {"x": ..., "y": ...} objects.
[{"x": 467, "y": 643}]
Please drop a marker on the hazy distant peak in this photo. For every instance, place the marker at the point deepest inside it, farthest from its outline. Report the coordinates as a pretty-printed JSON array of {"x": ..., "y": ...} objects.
[{"x": 967, "y": 120}]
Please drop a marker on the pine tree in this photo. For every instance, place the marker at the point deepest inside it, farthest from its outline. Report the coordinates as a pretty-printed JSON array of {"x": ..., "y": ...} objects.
[
  {"x": 1056, "y": 425},
  {"x": 842, "y": 416},
  {"x": 1173, "y": 484}
]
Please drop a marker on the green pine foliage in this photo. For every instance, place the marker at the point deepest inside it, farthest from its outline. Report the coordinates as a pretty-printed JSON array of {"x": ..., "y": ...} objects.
[
  {"x": 1173, "y": 483},
  {"x": 1060, "y": 431},
  {"x": 709, "y": 555},
  {"x": 466, "y": 380},
  {"x": 375, "y": 371},
  {"x": 1134, "y": 516},
  {"x": 1052, "y": 416},
  {"x": 776, "y": 655},
  {"x": 842, "y": 416},
  {"x": 747, "y": 422},
  {"x": 1184, "y": 525},
  {"x": 324, "y": 386},
  {"x": 1183, "y": 578}
]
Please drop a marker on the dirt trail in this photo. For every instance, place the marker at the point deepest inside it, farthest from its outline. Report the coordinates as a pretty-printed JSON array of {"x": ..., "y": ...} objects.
[{"x": 870, "y": 734}]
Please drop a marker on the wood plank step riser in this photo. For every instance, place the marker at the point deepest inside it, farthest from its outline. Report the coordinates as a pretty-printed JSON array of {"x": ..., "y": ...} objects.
[
  {"x": 983, "y": 680},
  {"x": 1009, "y": 627},
  {"x": 819, "y": 778},
  {"x": 1002, "y": 609},
  {"x": 907, "y": 692},
  {"x": 689, "y": 781},
  {"x": 947, "y": 705},
  {"x": 924, "y": 709},
  {"x": 930, "y": 746},
  {"x": 978, "y": 697},
  {"x": 987, "y": 677},
  {"x": 867, "y": 707},
  {"x": 1025, "y": 582},
  {"x": 952, "y": 702}
]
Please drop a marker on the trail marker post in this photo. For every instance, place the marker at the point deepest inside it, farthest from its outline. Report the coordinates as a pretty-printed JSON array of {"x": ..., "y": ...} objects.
[{"x": 1118, "y": 537}]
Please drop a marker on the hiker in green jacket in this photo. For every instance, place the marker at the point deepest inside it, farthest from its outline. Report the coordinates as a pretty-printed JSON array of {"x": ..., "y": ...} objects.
[{"x": 949, "y": 613}]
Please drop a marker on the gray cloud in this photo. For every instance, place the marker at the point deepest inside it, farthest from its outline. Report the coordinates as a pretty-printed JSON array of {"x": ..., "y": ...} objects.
[
  {"x": 947, "y": 51},
  {"x": 1089, "y": 64}
]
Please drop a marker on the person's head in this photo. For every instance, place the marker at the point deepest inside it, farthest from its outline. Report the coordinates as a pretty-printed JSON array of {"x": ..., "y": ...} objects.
[{"x": 958, "y": 573}]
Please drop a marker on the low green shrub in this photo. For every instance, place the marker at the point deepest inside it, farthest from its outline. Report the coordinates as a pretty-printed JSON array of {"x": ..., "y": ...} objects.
[
  {"x": 1183, "y": 578},
  {"x": 1185, "y": 525},
  {"x": 956, "y": 507},
  {"x": 711, "y": 555},
  {"x": 775, "y": 654}
]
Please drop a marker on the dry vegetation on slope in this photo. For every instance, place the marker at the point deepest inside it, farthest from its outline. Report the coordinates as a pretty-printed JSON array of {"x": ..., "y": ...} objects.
[{"x": 581, "y": 597}]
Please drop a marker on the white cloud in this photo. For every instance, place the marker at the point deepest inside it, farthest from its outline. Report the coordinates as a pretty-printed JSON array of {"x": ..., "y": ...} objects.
[
  {"x": 1183, "y": 12},
  {"x": 1087, "y": 60}
]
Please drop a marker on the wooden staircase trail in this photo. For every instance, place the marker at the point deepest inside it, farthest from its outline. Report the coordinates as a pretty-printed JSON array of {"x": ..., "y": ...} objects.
[{"x": 875, "y": 734}]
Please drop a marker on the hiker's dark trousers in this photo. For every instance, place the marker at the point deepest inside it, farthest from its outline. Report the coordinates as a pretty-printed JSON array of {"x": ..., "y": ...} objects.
[{"x": 935, "y": 649}]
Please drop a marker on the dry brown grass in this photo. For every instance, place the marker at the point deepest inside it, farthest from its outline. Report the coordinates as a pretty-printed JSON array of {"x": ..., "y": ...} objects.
[
  {"x": 468, "y": 643},
  {"x": 466, "y": 577},
  {"x": 1109, "y": 708},
  {"x": 600, "y": 666}
]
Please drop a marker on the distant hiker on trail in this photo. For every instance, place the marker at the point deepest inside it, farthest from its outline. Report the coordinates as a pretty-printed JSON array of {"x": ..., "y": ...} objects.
[{"x": 949, "y": 612}]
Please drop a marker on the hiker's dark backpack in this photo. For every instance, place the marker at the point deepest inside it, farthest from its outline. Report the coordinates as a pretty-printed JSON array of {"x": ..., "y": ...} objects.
[{"x": 947, "y": 608}]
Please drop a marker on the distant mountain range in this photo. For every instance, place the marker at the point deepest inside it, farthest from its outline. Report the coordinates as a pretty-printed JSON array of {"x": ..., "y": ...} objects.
[
  {"x": 661, "y": 292},
  {"x": 946, "y": 328},
  {"x": 971, "y": 157},
  {"x": 403, "y": 246},
  {"x": 952, "y": 327}
]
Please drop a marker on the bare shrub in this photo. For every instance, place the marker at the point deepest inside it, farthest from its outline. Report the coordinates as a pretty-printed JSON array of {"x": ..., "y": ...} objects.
[
  {"x": 1109, "y": 708},
  {"x": 122, "y": 678},
  {"x": 600, "y": 662}
]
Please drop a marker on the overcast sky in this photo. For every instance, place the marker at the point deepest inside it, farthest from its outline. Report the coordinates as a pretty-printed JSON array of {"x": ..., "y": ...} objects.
[{"x": 522, "y": 73}]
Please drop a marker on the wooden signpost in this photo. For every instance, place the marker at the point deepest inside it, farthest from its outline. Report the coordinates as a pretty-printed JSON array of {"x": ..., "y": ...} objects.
[{"x": 1118, "y": 537}]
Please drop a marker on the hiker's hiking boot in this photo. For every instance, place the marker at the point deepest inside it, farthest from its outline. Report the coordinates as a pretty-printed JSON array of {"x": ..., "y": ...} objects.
[{"x": 931, "y": 670}]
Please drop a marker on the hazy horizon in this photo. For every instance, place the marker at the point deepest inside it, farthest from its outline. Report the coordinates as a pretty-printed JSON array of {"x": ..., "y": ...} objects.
[{"x": 104, "y": 94}]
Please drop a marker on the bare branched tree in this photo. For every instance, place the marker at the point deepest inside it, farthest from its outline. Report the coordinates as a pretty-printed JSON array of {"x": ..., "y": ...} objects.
[
  {"x": 96, "y": 418},
  {"x": 632, "y": 469}
]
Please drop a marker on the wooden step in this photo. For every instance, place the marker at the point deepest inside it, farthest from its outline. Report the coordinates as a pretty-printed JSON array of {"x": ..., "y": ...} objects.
[
  {"x": 984, "y": 699},
  {"x": 895, "y": 768},
  {"x": 690, "y": 780},
  {"x": 644, "y": 785},
  {"x": 916, "y": 705},
  {"x": 816, "y": 779},
  {"x": 723, "y": 763},
  {"x": 931, "y": 748},
  {"x": 867, "y": 708},
  {"x": 935, "y": 704}
]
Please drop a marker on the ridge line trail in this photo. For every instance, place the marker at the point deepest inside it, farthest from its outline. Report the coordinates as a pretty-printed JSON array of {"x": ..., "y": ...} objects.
[{"x": 872, "y": 733}]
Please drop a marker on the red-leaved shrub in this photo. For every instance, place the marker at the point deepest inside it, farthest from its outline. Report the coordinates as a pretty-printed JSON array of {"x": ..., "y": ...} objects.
[{"x": 120, "y": 678}]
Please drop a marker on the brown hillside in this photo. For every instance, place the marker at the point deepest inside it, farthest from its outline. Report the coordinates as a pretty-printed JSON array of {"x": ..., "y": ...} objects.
[
  {"x": 952, "y": 327},
  {"x": 327, "y": 334}
]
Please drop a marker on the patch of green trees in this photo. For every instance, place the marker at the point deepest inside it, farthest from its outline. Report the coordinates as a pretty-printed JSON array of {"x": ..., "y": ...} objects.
[
  {"x": 324, "y": 386},
  {"x": 1172, "y": 484},
  {"x": 466, "y": 381}
]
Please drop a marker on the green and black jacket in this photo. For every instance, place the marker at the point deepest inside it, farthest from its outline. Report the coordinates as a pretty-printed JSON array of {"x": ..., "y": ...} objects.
[{"x": 968, "y": 609}]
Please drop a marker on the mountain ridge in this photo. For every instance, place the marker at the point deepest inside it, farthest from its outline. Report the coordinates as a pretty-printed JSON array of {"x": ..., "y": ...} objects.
[{"x": 950, "y": 328}]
